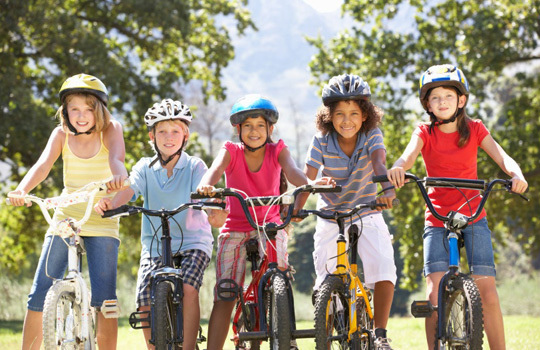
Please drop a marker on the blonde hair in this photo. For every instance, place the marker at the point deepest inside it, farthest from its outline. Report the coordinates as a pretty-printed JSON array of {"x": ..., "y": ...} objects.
[
  {"x": 180, "y": 122},
  {"x": 101, "y": 113}
]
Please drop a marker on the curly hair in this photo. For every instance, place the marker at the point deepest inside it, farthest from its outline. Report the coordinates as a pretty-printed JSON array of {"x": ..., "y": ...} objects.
[{"x": 372, "y": 113}]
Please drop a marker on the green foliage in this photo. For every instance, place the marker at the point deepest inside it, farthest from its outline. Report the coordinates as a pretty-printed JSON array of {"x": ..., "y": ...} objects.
[
  {"x": 142, "y": 50},
  {"x": 496, "y": 44}
]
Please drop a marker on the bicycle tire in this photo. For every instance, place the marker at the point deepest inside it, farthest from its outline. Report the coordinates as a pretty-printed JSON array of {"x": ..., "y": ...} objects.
[
  {"x": 463, "y": 319},
  {"x": 279, "y": 325},
  {"x": 331, "y": 315},
  {"x": 165, "y": 318},
  {"x": 362, "y": 338},
  {"x": 62, "y": 318}
]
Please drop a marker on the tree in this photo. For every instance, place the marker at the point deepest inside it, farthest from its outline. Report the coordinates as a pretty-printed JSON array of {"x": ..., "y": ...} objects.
[
  {"x": 141, "y": 50},
  {"x": 495, "y": 43}
]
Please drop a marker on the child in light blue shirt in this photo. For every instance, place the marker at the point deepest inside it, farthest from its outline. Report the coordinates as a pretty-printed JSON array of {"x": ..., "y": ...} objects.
[{"x": 166, "y": 181}]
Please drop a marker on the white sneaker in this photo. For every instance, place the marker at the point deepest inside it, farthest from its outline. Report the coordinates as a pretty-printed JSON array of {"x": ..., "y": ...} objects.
[{"x": 382, "y": 344}]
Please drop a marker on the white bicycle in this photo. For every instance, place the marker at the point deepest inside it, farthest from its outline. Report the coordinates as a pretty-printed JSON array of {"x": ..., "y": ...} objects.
[{"x": 69, "y": 321}]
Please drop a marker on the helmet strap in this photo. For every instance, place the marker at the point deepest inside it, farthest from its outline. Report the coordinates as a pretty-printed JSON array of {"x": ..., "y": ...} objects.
[
  {"x": 164, "y": 162},
  {"x": 71, "y": 127},
  {"x": 253, "y": 149}
]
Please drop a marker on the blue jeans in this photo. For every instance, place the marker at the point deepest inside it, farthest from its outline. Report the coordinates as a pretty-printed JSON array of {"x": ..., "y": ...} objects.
[
  {"x": 102, "y": 258},
  {"x": 478, "y": 247}
]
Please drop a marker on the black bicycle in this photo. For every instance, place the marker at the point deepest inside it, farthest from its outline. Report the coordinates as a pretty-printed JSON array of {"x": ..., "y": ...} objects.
[
  {"x": 165, "y": 317},
  {"x": 460, "y": 321},
  {"x": 265, "y": 308}
]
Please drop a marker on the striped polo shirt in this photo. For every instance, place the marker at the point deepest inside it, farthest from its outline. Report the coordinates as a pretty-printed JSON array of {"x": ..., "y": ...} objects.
[
  {"x": 77, "y": 173},
  {"x": 352, "y": 173}
]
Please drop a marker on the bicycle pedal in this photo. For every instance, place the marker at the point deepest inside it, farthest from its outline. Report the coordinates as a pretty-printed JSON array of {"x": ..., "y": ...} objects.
[
  {"x": 136, "y": 318},
  {"x": 110, "y": 308},
  {"x": 422, "y": 308}
]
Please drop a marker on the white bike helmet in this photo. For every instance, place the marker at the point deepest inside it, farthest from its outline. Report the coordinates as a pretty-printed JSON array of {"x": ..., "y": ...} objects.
[
  {"x": 167, "y": 110},
  {"x": 442, "y": 75}
]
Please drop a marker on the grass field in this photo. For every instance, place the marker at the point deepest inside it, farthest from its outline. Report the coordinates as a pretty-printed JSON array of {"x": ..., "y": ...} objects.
[{"x": 522, "y": 332}]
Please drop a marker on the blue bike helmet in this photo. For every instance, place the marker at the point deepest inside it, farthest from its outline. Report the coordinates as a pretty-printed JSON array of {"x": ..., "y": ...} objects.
[{"x": 251, "y": 106}]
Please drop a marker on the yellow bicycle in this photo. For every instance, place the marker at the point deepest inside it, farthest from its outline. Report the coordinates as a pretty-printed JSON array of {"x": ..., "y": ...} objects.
[{"x": 343, "y": 312}]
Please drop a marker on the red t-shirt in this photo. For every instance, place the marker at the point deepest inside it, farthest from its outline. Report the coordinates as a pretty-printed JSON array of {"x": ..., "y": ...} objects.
[
  {"x": 443, "y": 158},
  {"x": 264, "y": 182}
]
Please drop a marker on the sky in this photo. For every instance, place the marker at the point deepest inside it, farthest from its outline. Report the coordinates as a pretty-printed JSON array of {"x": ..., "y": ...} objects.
[{"x": 273, "y": 61}]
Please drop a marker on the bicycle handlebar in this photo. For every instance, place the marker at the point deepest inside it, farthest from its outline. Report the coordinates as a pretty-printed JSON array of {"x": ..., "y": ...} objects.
[
  {"x": 336, "y": 215},
  {"x": 127, "y": 210},
  {"x": 221, "y": 193},
  {"x": 85, "y": 194},
  {"x": 472, "y": 184}
]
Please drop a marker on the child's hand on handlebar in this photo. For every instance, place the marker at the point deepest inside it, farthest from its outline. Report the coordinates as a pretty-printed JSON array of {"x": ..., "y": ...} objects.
[
  {"x": 519, "y": 184},
  {"x": 16, "y": 198},
  {"x": 396, "y": 176},
  {"x": 117, "y": 183},
  {"x": 103, "y": 205},
  {"x": 326, "y": 180},
  {"x": 386, "y": 198},
  {"x": 207, "y": 190},
  {"x": 216, "y": 218}
]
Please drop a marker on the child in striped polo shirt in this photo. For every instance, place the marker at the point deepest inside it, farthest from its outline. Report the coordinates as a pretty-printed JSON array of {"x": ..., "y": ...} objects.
[{"x": 349, "y": 150}]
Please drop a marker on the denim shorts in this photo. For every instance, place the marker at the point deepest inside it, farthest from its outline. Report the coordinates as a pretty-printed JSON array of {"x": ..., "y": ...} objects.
[
  {"x": 102, "y": 258},
  {"x": 478, "y": 247}
]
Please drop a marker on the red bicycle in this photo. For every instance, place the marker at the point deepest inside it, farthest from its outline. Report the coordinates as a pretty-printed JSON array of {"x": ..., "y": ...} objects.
[{"x": 265, "y": 308}]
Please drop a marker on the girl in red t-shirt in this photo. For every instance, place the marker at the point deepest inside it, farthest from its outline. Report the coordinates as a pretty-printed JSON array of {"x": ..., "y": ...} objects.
[{"x": 449, "y": 146}]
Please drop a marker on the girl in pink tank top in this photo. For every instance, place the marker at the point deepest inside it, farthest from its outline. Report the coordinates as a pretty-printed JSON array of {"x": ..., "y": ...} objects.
[{"x": 255, "y": 165}]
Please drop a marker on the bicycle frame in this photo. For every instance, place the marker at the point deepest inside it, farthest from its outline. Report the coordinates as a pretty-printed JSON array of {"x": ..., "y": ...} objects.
[
  {"x": 167, "y": 273},
  {"x": 454, "y": 222},
  {"x": 346, "y": 265},
  {"x": 263, "y": 275},
  {"x": 69, "y": 229}
]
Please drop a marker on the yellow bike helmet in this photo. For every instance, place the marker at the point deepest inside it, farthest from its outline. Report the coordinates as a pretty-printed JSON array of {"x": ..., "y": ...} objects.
[{"x": 84, "y": 83}]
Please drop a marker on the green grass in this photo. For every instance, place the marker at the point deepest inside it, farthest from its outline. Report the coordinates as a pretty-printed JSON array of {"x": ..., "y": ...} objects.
[{"x": 406, "y": 334}]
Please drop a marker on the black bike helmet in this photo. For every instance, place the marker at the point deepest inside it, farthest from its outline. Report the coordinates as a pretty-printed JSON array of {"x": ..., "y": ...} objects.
[{"x": 345, "y": 87}]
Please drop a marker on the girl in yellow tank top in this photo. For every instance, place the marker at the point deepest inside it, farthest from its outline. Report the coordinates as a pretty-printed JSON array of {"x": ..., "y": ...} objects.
[{"x": 92, "y": 148}]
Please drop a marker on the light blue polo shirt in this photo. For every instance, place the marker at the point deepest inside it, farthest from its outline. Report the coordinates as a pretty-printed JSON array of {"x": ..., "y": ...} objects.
[
  {"x": 160, "y": 191},
  {"x": 352, "y": 173}
]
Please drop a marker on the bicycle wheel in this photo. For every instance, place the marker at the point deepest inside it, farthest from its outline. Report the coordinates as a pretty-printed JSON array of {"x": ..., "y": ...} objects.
[
  {"x": 362, "y": 338},
  {"x": 331, "y": 315},
  {"x": 463, "y": 319},
  {"x": 62, "y": 318},
  {"x": 279, "y": 316},
  {"x": 165, "y": 318}
]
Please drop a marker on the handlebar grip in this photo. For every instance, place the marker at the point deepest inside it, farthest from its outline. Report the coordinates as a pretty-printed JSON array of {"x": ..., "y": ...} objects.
[
  {"x": 121, "y": 210},
  {"x": 326, "y": 188},
  {"x": 217, "y": 193},
  {"x": 379, "y": 178}
]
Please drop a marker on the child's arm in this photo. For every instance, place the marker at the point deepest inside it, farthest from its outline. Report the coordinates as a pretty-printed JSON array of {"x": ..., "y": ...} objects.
[
  {"x": 378, "y": 161},
  {"x": 212, "y": 176},
  {"x": 119, "y": 199},
  {"x": 505, "y": 162},
  {"x": 396, "y": 175},
  {"x": 294, "y": 175},
  {"x": 292, "y": 172},
  {"x": 41, "y": 169},
  {"x": 113, "y": 138}
]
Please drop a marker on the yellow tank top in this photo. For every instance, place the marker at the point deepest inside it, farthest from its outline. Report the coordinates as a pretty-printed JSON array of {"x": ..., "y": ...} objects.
[{"x": 77, "y": 173}]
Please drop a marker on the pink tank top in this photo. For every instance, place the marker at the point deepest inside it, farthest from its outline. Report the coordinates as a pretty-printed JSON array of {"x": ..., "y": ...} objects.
[{"x": 264, "y": 182}]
